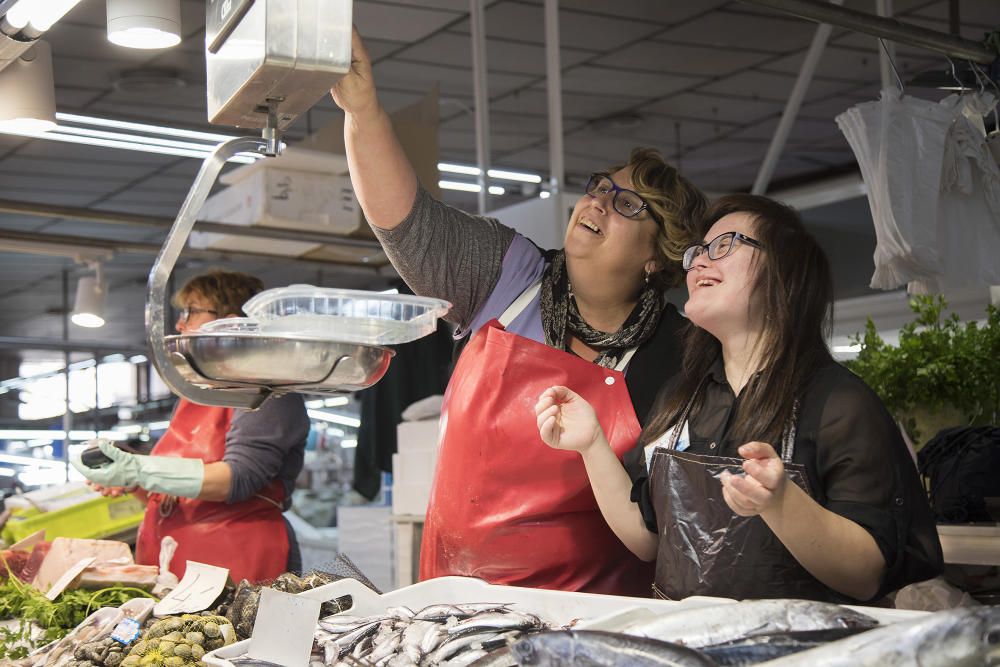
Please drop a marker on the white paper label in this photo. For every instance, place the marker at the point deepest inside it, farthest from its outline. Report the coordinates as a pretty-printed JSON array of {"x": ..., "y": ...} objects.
[
  {"x": 68, "y": 576},
  {"x": 283, "y": 629},
  {"x": 199, "y": 588}
]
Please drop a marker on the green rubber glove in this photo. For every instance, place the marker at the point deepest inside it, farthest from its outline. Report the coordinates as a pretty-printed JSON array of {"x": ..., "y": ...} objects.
[{"x": 172, "y": 475}]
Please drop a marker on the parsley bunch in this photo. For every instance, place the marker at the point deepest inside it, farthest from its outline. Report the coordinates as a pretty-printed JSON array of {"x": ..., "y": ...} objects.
[{"x": 940, "y": 363}]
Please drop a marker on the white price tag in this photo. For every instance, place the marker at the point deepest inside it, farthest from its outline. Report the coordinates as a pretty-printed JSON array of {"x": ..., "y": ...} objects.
[
  {"x": 199, "y": 588},
  {"x": 284, "y": 627}
]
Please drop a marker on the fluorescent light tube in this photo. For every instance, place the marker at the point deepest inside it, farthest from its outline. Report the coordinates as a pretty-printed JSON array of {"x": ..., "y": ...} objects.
[
  {"x": 512, "y": 175},
  {"x": 458, "y": 185},
  {"x": 495, "y": 190},
  {"x": 333, "y": 418},
  {"x": 458, "y": 169},
  {"x": 210, "y": 137}
]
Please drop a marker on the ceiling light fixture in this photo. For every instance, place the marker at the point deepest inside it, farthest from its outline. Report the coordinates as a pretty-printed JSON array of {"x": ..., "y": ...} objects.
[
  {"x": 143, "y": 137},
  {"x": 501, "y": 174},
  {"x": 88, "y": 309},
  {"x": 33, "y": 17},
  {"x": 469, "y": 187},
  {"x": 27, "y": 92},
  {"x": 144, "y": 24}
]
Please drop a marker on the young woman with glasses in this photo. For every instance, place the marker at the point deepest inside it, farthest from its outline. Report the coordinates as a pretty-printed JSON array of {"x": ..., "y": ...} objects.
[
  {"x": 504, "y": 507},
  {"x": 219, "y": 479},
  {"x": 771, "y": 470}
]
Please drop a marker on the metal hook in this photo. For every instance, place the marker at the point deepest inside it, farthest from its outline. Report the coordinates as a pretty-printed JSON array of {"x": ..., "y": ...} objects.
[
  {"x": 895, "y": 72},
  {"x": 954, "y": 75}
]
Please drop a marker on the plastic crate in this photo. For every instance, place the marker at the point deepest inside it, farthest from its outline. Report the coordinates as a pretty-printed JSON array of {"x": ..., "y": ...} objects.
[
  {"x": 597, "y": 611},
  {"x": 91, "y": 519}
]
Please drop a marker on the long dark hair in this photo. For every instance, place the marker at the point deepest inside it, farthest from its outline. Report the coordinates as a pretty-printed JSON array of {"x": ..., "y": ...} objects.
[{"x": 794, "y": 289}]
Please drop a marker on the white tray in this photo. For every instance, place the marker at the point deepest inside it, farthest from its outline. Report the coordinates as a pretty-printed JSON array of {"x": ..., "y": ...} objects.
[{"x": 606, "y": 612}]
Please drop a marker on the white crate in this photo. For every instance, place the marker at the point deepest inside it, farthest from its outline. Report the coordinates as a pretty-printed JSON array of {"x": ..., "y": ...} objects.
[{"x": 557, "y": 607}]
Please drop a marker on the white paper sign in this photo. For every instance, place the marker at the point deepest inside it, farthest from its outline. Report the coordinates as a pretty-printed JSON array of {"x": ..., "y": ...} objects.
[
  {"x": 199, "y": 588},
  {"x": 283, "y": 629},
  {"x": 68, "y": 576}
]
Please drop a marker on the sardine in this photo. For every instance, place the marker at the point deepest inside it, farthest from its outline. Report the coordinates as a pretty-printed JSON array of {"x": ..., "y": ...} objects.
[
  {"x": 345, "y": 643},
  {"x": 458, "y": 643},
  {"x": 716, "y": 624},
  {"x": 592, "y": 647},
  {"x": 510, "y": 620},
  {"x": 964, "y": 637},
  {"x": 338, "y": 624},
  {"x": 467, "y": 658},
  {"x": 440, "y": 612}
]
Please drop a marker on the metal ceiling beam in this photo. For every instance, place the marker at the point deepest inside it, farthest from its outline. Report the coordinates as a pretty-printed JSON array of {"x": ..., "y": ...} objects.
[
  {"x": 62, "y": 245},
  {"x": 792, "y": 106},
  {"x": 887, "y": 28},
  {"x": 95, "y": 346},
  {"x": 156, "y": 222}
]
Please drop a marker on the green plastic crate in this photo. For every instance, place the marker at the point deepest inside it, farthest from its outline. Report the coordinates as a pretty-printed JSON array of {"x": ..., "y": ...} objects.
[{"x": 93, "y": 519}]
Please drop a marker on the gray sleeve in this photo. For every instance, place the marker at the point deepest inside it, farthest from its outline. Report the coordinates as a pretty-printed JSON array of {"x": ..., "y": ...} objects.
[
  {"x": 265, "y": 444},
  {"x": 448, "y": 254}
]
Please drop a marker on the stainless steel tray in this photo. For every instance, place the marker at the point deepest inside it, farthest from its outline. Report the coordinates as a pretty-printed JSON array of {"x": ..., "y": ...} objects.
[{"x": 279, "y": 364}]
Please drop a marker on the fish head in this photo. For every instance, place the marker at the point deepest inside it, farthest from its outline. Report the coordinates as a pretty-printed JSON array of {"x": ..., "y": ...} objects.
[
  {"x": 555, "y": 647},
  {"x": 991, "y": 643}
]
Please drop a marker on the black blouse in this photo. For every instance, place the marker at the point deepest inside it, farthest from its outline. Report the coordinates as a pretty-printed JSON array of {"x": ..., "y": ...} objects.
[{"x": 856, "y": 462}]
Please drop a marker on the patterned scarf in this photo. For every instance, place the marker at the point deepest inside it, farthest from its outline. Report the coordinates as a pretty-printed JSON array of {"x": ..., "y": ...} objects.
[{"x": 560, "y": 316}]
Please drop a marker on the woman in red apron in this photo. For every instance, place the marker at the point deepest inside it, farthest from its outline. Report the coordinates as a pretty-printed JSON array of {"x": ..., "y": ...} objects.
[
  {"x": 771, "y": 470},
  {"x": 504, "y": 507},
  {"x": 202, "y": 487}
]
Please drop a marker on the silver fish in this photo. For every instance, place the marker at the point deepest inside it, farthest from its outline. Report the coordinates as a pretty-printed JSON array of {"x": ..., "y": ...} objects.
[
  {"x": 440, "y": 612},
  {"x": 338, "y": 624},
  {"x": 963, "y": 637},
  {"x": 716, "y": 624},
  {"x": 345, "y": 643},
  {"x": 459, "y": 643},
  {"x": 591, "y": 647},
  {"x": 385, "y": 646},
  {"x": 467, "y": 658},
  {"x": 510, "y": 620}
]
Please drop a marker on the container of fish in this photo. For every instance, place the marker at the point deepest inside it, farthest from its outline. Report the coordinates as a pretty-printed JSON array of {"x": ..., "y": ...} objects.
[{"x": 557, "y": 608}]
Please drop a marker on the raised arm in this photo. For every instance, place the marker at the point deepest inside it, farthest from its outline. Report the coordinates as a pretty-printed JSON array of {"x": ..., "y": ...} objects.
[
  {"x": 383, "y": 178},
  {"x": 566, "y": 421}
]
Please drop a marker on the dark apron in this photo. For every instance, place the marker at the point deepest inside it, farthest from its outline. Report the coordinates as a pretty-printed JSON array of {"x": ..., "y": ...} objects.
[{"x": 707, "y": 549}]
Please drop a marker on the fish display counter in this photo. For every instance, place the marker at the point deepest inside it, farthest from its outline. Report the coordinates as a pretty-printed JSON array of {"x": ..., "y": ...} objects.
[{"x": 461, "y": 621}]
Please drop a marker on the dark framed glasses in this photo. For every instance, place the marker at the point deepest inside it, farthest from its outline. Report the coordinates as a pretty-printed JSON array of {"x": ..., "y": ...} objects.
[
  {"x": 185, "y": 313},
  {"x": 625, "y": 202},
  {"x": 717, "y": 248}
]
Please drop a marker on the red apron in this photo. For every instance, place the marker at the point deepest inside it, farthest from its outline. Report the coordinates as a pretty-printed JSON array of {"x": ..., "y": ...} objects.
[
  {"x": 505, "y": 507},
  {"x": 248, "y": 537}
]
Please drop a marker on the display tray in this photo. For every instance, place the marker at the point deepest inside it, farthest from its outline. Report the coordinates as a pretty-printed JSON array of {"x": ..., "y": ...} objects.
[
  {"x": 367, "y": 318},
  {"x": 232, "y": 360},
  {"x": 590, "y": 610}
]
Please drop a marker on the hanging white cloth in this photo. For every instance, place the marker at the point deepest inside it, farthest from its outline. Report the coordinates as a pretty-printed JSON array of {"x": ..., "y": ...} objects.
[{"x": 933, "y": 187}]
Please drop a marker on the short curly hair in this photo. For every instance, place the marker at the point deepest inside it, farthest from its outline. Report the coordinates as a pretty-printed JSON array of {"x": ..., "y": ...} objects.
[
  {"x": 676, "y": 205},
  {"x": 227, "y": 290}
]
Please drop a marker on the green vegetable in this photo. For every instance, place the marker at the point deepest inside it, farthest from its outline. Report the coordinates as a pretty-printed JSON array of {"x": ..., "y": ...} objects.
[
  {"x": 21, "y": 601},
  {"x": 940, "y": 363}
]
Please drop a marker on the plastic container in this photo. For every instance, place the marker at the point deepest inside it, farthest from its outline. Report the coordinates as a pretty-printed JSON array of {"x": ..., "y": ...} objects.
[
  {"x": 354, "y": 316},
  {"x": 92, "y": 519},
  {"x": 558, "y": 607},
  {"x": 231, "y": 325}
]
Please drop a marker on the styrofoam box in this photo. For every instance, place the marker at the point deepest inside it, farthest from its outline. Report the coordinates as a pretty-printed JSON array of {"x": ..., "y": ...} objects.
[
  {"x": 557, "y": 607},
  {"x": 417, "y": 435},
  {"x": 365, "y": 536},
  {"x": 289, "y": 199},
  {"x": 410, "y": 498},
  {"x": 414, "y": 466}
]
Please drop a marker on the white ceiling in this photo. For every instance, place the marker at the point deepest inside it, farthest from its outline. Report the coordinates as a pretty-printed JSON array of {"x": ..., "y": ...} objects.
[{"x": 704, "y": 81}]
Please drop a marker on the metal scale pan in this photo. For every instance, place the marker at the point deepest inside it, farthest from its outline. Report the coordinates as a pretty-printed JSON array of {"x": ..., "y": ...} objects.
[{"x": 267, "y": 61}]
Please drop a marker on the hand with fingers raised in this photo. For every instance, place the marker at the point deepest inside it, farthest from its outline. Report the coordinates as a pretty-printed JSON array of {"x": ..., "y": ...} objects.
[
  {"x": 761, "y": 486},
  {"x": 566, "y": 421}
]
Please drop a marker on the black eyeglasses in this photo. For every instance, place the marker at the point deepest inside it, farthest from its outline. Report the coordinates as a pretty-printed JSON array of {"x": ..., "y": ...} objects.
[
  {"x": 185, "y": 313},
  {"x": 625, "y": 202},
  {"x": 717, "y": 248}
]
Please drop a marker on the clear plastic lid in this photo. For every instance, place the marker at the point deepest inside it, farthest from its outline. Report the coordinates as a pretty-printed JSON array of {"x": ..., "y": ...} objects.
[
  {"x": 368, "y": 318},
  {"x": 230, "y": 325}
]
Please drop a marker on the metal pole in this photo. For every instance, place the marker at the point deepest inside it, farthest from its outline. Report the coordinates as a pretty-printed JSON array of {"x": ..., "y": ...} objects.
[
  {"x": 884, "y": 9},
  {"x": 792, "y": 107},
  {"x": 481, "y": 92},
  {"x": 553, "y": 78},
  {"x": 67, "y": 420},
  {"x": 133, "y": 220},
  {"x": 887, "y": 28}
]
